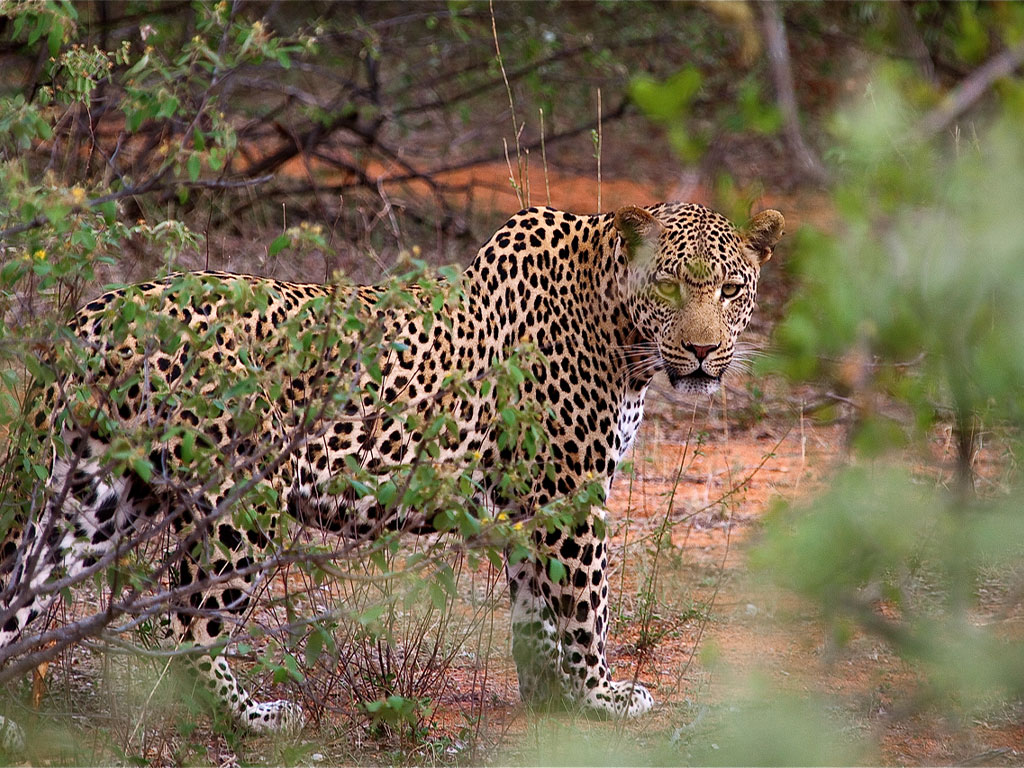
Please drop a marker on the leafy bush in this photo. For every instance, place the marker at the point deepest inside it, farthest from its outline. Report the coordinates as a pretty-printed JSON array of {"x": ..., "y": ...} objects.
[{"x": 66, "y": 224}]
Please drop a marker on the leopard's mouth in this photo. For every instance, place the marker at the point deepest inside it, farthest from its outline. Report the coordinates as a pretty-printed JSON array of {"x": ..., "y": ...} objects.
[{"x": 697, "y": 382}]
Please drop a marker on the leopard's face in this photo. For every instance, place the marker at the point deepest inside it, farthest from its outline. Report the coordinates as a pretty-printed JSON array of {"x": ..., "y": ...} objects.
[{"x": 692, "y": 281}]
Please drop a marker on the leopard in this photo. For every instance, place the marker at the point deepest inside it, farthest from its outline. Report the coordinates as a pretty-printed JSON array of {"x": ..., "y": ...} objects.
[{"x": 608, "y": 300}]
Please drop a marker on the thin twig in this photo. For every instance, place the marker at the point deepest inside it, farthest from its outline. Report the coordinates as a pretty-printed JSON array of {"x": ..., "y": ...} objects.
[
  {"x": 513, "y": 74},
  {"x": 518, "y": 181},
  {"x": 544, "y": 157},
  {"x": 597, "y": 150}
]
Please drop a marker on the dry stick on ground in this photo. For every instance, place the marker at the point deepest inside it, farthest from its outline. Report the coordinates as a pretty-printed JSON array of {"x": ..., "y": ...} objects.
[
  {"x": 360, "y": 178},
  {"x": 614, "y": 113},
  {"x": 782, "y": 79},
  {"x": 969, "y": 90},
  {"x": 288, "y": 150}
]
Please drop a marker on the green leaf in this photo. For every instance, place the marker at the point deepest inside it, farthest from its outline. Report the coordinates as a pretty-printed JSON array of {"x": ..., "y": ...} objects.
[
  {"x": 496, "y": 559},
  {"x": 85, "y": 238},
  {"x": 667, "y": 101},
  {"x": 143, "y": 468},
  {"x": 109, "y": 211},
  {"x": 41, "y": 373},
  {"x": 57, "y": 213},
  {"x": 55, "y": 38},
  {"x": 314, "y": 647},
  {"x": 446, "y": 578},
  {"x": 556, "y": 570},
  {"x": 437, "y": 596},
  {"x": 371, "y": 615},
  {"x": 386, "y": 493},
  {"x": 11, "y": 272},
  {"x": 279, "y": 244}
]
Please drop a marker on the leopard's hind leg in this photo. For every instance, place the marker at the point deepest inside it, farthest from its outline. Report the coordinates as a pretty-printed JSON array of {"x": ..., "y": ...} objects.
[
  {"x": 88, "y": 517},
  {"x": 222, "y": 568},
  {"x": 84, "y": 517}
]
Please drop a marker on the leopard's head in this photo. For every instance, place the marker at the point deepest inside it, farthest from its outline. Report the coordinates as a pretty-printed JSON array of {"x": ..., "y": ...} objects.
[{"x": 690, "y": 287}]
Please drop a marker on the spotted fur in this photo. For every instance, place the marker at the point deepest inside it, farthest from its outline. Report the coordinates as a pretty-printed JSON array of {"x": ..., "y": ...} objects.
[{"x": 610, "y": 300}]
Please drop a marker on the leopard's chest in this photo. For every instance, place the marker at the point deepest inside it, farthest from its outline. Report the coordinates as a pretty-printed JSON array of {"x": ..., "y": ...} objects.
[{"x": 631, "y": 413}]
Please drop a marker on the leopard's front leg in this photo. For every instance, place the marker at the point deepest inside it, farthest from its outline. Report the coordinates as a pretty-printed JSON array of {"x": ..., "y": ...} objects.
[
  {"x": 536, "y": 644},
  {"x": 560, "y": 630}
]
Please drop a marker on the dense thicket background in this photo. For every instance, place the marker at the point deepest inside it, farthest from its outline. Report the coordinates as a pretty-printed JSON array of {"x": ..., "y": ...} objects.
[{"x": 874, "y": 610}]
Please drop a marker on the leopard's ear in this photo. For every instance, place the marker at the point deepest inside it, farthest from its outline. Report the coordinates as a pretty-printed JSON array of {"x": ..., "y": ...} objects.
[
  {"x": 639, "y": 230},
  {"x": 763, "y": 232}
]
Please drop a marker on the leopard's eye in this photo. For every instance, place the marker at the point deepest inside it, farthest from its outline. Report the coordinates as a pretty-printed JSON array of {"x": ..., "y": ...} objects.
[
  {"x": 669, "y": 290},
  {"x": 731, "y": 290}
]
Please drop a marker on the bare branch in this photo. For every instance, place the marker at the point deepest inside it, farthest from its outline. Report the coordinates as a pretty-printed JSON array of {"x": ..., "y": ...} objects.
[
  {"x": 969, "y": 90},
  {"x": 782, "y": 78}
]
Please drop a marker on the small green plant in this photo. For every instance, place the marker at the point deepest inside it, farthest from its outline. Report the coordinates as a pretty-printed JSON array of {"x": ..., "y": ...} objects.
[{"x": 398, "y": 711}]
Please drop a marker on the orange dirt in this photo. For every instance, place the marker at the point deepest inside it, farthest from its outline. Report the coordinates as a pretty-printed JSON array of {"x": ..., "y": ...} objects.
[{"x": 488, "y": 186}]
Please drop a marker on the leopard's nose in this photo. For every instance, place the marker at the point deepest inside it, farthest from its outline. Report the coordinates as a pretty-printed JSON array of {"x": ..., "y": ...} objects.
[{"x": 700, "y": 351}]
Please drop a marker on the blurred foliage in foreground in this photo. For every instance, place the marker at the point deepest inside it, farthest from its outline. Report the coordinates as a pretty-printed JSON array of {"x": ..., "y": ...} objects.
[{"x": 913, "y": 313}]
